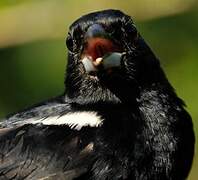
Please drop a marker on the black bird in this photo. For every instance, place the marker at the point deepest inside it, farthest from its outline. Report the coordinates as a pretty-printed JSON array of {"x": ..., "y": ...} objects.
[{"x": 119, "y": 117}]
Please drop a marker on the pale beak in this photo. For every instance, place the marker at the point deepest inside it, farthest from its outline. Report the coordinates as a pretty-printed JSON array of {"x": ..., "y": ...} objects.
[{"x": 110, "y": 60}]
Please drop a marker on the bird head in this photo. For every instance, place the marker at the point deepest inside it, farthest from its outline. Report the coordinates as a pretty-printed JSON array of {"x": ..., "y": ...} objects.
[{"x": 106, "y": 58}]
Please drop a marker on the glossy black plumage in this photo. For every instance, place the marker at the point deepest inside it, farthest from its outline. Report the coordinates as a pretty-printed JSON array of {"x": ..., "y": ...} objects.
[{"x": 145, "y": 133}]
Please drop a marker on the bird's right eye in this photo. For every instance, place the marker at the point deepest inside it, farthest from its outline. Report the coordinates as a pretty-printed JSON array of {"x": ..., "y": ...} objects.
[{"x": 69, "y": 42}]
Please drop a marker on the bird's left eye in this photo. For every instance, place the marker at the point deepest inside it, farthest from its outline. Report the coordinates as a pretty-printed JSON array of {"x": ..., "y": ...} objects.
[{"x": 69, "y": 42}]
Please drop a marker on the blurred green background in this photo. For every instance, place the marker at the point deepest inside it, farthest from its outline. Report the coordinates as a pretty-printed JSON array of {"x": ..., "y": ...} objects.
[{"x": 33, "y": 53}]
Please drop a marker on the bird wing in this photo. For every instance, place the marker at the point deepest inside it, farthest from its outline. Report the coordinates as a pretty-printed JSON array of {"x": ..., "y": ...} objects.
[{"x": 45, "y": 152}]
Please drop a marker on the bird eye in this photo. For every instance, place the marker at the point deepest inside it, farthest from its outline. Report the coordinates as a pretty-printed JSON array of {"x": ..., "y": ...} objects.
[{"x": 69, "y": 42}]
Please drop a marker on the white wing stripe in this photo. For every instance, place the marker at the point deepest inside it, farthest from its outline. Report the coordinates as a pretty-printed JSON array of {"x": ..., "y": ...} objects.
[{"x": 75, "y": 120}]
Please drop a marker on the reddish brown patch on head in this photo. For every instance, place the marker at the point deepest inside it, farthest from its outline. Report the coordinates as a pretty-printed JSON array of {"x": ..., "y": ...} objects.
[{"x": 98, "y": 47}]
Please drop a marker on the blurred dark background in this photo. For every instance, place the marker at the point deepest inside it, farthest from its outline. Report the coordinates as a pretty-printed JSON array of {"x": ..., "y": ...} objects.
[{"x": 33, "y": 53}]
